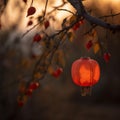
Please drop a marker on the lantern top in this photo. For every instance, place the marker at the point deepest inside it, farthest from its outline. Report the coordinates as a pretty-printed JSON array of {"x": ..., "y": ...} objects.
[{"x": 85, "y": 58}]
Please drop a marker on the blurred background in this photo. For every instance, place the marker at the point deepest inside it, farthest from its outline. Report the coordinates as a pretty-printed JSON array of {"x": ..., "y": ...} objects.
[{"x": 58, "y": 99}]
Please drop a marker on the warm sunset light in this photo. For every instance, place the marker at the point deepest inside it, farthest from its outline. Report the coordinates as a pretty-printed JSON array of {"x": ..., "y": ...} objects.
[
  {"x": 13, "y": 14},
  {"x": 54, "y": 52},
  {"x": 85, "y": 72}
]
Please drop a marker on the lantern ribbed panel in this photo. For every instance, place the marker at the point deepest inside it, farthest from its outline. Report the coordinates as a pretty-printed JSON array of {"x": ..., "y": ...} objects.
[{"x": 85, "y": 72}]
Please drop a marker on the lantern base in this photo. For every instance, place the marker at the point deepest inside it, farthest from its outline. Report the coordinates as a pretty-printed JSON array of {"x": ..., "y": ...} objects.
[{"x": 86, "y": 91}]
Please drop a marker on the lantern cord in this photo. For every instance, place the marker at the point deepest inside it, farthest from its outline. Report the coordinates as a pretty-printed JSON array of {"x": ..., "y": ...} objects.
[{"x": 86, "y": 91}]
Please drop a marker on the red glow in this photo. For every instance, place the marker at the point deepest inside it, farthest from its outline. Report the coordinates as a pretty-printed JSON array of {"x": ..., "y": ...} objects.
[{"x": 85, "y": 72}]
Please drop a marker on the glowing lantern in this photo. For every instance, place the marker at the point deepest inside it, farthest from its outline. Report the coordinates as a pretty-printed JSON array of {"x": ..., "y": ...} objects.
[{"x": 85, "y": 73}]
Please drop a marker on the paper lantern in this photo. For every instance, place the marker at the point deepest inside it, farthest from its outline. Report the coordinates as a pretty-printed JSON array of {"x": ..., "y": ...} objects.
[{"x": 85, "y": 73}]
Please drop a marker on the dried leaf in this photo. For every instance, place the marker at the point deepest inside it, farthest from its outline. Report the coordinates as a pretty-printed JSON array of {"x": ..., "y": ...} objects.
[
  {"x": 94, "y": 35},
  {"x": 57, "y": 72},
  {"x": 22, "y": 100},
  {"x": 94, "y": 32},
  {"x": 22, "y": 87},
  {"x": 61, "y": 60},
  {"x": 26, "y": 63},
  {"x": 50, "y": 70},
  {"x": 34, "y": 85},
  {"x": 81, "y": 22},
  {"x": 25, "y": 1},
  {"x": 28, "y": 92},
  {"x": 96, "y": 47},
  {"x": 72, "y": 19},
  {"x": 71, "y": 36},
  {"x": 106, "y": 57},
  {"x": 31, "y": 11},
  {"x": 64, "y": 22},
  {"x": 37, "y": 75},
  {"x": 30, "y": 23},
  {"x": 76, "y": 26},
  {"x": 25, "y": 98},
  {"x": 89, "y": 44},
  {"x": 37, "y": 38},
  {"x": 46, "y": 24}
]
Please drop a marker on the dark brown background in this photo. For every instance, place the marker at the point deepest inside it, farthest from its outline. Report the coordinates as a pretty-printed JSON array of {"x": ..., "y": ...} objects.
[{"x": 60, "y": 99}]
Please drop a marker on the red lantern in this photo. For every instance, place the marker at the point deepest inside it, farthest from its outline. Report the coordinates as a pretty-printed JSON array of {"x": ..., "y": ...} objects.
[{"x": 85, "y": 73}]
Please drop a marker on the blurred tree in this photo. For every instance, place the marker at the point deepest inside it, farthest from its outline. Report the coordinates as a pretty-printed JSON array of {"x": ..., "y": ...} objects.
[{"x": 45, "y": 53}]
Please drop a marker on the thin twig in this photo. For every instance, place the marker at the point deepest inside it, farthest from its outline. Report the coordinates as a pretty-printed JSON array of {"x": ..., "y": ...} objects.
[
  {"x": 30, "y": 29},
  {"x": 56, "y": 7},
  {"x": 37, "y": 23},
  {"x": 31, "y": 3},
  {"x": 111, "y": 15},
  {"x": 67, "y": 11},
  {"x": 88, "y": 31},
  {"x": 45, "y": 7}
]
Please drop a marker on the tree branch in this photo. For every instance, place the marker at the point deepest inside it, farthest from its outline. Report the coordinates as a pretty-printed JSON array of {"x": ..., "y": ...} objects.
[{"x": 78, "y": 5}]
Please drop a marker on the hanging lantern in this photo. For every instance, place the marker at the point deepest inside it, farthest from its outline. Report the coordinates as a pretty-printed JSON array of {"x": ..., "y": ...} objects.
[{"x": 85, "y": 73}]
